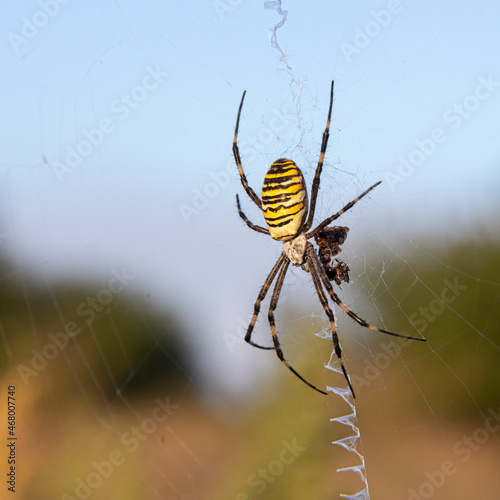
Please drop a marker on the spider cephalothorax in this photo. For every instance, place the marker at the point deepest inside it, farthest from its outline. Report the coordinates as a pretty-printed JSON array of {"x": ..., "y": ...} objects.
[{"x": 289, "y": 219}]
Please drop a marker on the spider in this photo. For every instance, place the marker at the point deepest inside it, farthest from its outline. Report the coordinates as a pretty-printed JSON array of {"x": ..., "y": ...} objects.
[{"x": 289, "y": 219}]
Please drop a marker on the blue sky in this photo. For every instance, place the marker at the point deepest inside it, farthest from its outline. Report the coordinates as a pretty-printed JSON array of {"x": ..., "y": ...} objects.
[{"x": 118, "y": 119}]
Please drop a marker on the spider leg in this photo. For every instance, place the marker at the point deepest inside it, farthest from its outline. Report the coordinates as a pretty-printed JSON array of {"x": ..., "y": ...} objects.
[
  {"x": 261, "y": 297},
  {"x": 325, "y": 223},
  {"x": 354, "y": 316},
  {"x": 259, "y": 229},
  {"x": 313, "y": 269},
  {"x": 236, "y": 152},
  {"x": 272, "y": 307},
  {"x": 319, "y": 168}
]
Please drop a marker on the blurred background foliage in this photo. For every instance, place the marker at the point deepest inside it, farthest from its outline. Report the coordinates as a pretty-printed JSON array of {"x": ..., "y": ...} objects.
[
  {"x": 449, "y": 292},
  {"x": 116, "y": 148},
  {"x": 106, "y": 379}
]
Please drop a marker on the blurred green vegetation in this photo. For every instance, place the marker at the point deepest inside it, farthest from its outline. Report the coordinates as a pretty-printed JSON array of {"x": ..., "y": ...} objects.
[
  {"x": 116, "y": 338},
  {"x": 450, "y": 294},
  {"x": 108, "y": 376},
  {"x": 83, "y": 357}
]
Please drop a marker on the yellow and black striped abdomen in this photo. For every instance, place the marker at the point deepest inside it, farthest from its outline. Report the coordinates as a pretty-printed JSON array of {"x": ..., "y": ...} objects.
[{"x": 284, "y": 199}]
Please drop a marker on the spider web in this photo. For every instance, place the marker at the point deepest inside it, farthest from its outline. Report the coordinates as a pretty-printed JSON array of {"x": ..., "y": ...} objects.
[
  {"x": 127, "y": 277},
  {"x": 440, "y": 299}
]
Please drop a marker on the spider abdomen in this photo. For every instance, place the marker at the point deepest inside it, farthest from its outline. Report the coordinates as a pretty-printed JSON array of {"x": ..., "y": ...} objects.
[{"x": 284, "y": 199}]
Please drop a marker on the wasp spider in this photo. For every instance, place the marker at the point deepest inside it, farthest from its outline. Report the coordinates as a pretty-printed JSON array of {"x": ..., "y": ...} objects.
[{"x": 289, "y": 219}]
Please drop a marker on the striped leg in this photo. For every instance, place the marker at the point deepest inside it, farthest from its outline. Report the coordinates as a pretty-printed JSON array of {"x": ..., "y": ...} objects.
[
  {"x": 314, "y": 268},
  {"x": 340, "y": 212},
  {"x": 259, "y": 229},
  {"x": 236, "y": 153},
  {"x": 262, "y": 294},
  {"x": 354, "y": 316},
  {"x": 272, "y": 307},
  {"x": 319, "y": 168}
]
